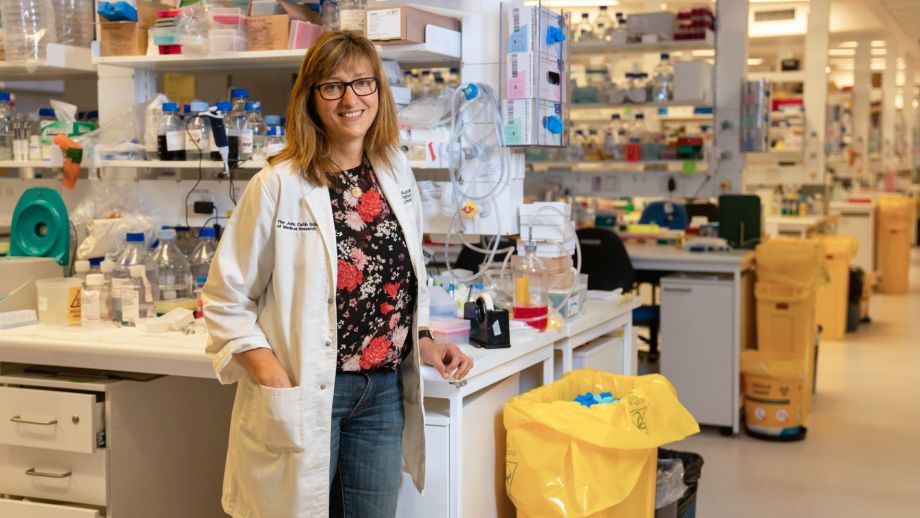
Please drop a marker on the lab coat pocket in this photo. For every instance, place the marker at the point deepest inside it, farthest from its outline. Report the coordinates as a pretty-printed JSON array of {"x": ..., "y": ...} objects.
[{"x": 276, "y": 418}]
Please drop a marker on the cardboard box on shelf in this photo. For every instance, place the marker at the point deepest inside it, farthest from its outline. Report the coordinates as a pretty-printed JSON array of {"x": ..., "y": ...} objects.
[
  {"x": 274, "y": 32},
  {"x": 403, "y": 24},
  {"x": 147, "y": 12},
  {"x": 122, "y": 39}
]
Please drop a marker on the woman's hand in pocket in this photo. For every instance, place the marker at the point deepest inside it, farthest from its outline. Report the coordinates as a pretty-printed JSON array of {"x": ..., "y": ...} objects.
[{"x": 264, "y": 368}]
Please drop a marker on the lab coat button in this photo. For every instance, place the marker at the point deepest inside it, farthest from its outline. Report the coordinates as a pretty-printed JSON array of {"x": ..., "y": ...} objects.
[
  {"x": 322, "y": 387},
  {"x": 328, "y": 343},
  {"x": 329, "y": 301}
]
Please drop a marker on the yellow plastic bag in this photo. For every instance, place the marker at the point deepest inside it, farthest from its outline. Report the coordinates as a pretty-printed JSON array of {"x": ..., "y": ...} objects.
[
  {"x": 797, "y": 263},
  {"x": 566, "y": 460}
]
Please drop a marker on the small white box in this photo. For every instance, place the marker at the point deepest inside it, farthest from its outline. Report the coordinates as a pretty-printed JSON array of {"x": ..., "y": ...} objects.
[
  {"x": 693, "y": 81},
  {"x": 532, "y": 122},
  {"x": 528, "y": 28},
  {"x": 659, "y": 23},
  {"x": 530, "y": 75}
]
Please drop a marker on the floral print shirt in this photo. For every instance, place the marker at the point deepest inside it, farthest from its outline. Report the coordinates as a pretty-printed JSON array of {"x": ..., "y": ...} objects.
[{"x": 376, "y": 287}]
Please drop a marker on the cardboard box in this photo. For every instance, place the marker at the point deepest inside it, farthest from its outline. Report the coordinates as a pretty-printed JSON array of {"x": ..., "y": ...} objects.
[
  {"x": 147, "y": 12},
  {"x": 122, "y": 39},
  {"x": 273, "y": 32},
  {"x": 530, "y": 75},
  {"x": 531, "y": 122},
  {"x": 659, "y": 23},
  {"x": 403, "y": 24}
]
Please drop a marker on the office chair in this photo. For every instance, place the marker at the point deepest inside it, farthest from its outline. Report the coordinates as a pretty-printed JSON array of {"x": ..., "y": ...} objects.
[
  {"x": 604, "y": 259},
  {"x": 470, "y": 259},
  {"x": 739, "y": 220},
  {"x": 667, "y": 214},
  {"x": 708, "y": 210}
]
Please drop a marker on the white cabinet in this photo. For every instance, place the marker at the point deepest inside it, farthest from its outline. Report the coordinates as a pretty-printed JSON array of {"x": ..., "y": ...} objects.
[
  {"x": 48, "y": 419},
  {"x": 25, "y": 509},
  {"x": 697, "y": 337},
  {"x": 603, "y": 354},
  {"x": 858, "y": 220}
]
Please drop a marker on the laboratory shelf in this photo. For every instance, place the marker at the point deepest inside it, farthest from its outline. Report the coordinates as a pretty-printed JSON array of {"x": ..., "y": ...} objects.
[
  {"x": 61, "y": 62},
  {"x": 619, "y": 166},
  {"x": 604, "y": 47},
  {"x": 794, "y": 76},
  {"x": 442, "y": 49},
  {"x": 575, "y": 107},
  {"x": 178, "y": 164},
  {"x": 37, "y": 164}
]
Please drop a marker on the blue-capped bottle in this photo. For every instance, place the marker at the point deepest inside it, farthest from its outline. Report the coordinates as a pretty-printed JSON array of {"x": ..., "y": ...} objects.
[
  {"x": 200, "y": 261},
  {"x": 171, "y": 134}
]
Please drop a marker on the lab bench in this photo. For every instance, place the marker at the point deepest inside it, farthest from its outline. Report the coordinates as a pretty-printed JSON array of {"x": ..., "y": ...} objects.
[{"x": 133, "y": 425}]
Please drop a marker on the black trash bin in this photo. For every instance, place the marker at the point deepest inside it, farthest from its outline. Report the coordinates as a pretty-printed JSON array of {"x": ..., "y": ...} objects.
[
  {"x": 693, "y": 468},
  {"x": 854, "y": 296}
]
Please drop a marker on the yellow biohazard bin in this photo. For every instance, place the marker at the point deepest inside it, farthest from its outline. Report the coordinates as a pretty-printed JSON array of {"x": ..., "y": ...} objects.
[
  {"x": 785, "y": 320},
  {"x": 893, "y": 243},
  {"x": 832, "y": 298},
  {"x": 777, "y": 397},
  {"x": 567, "y": 460}
]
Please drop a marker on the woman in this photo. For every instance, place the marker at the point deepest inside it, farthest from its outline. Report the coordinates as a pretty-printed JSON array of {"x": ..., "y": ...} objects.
[{"x": 317, "y": 304}]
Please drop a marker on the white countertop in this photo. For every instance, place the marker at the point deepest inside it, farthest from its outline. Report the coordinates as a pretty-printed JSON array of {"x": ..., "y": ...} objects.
[
  {"x": 642, "y": 255},
  {"x": 131, "y": 350},
  {"x": 800, "y": 221}
]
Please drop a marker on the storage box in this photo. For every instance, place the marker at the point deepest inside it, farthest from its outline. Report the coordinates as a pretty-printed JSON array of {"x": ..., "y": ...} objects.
[
  {"x": 693, "y": 81},
  {"x": 660, "y": 24},
  {"x": 449, "y": 330},
  {"x": 404, "y": 24},
  {"x": 273, "y": 32},
  {"x": 528, "y": 28},
  {"x": 122, "y": 39},
  {"x": 303, "y": 34},
  {"x": 532, "y": 122},
  {"x": 532, "y": 74}
]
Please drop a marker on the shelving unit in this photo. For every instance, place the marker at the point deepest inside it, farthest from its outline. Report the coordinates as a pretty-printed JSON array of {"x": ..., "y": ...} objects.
[
  {"x": 61, "y": 62},
  {"x": 178, "y": 164},
  {"x": 35, "y": 164},
  {"x": 603, "y": 47},
  {"x": 619, "y": 166},
  {"x": 442, "y": 49},
  {"x": 664, "y": 104}
]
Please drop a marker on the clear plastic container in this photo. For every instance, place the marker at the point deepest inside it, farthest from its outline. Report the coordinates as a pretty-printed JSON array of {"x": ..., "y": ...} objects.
[
  {"x": 449, "y": 330},
  {"x": 171, "y": 134},
  {"x": 81, "y": 269},
  {"x": 603, "y": 25},
  {"x": 28, "y": 28},
  {"x": 73, "y": 21},
  {"x": 274, "y": 142},
  {"x": 531, "y": 283},
  {"x": 252, "y": 137},
  {"x": 185, "y": 240},
  {"x": 329, "y": 14},
  {"x": 197, "y": 133},
  {"x": 7, "y": 115},
  {"x": 663, "y": 84},
  {"x": 200, "y": 260},
  {"x": 94, "y": 308},
  {"x": 59, "y": 300},
  {"x": 234, "y": 124},
  {"x": 636, "y": 88},
  {"x": 173, "y": 270},
  {"x": 584, "y": 31},
  {"x": 222, "y": 41},
  {"x": 227, "y": 18},
  {"x": 134, "y": 271}
]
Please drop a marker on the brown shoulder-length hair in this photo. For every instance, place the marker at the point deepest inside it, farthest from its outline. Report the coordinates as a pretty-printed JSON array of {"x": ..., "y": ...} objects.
[{"x": 308, "y": 147}]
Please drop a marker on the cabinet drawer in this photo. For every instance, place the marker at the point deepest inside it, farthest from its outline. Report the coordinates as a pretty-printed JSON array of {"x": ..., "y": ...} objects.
[
  {"x": 26, "y": 509},
  {"x": 53, "y": 475},
  {"x": 68, "y": 421}
]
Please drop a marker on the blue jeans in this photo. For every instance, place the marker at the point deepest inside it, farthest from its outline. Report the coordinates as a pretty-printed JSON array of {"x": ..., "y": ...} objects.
[{"x": 366, "y": 457}]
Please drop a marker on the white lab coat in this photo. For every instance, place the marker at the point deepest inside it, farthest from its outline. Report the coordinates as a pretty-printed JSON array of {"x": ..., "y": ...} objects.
[{"x": 272, "y": 284}]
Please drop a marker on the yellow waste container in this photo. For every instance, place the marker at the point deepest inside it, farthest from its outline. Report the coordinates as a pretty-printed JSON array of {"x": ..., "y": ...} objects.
[
  {"x": 567, "y": 460},
  {"x": 785, "y": 320},
  {"x": 893, "y": 243},
  {"x": 777, "y": 396},
  {"x": 832, "y": 298}
]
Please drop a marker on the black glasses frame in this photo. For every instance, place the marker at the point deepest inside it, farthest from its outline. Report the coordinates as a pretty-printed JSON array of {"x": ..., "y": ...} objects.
[{"x": 345, "y": 86}]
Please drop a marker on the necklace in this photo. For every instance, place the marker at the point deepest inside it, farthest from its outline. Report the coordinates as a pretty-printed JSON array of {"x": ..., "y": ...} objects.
[{"x": 355, "y": 191}]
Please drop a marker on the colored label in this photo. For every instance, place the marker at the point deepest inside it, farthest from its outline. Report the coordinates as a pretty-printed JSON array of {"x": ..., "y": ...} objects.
[{"x": 74, "y": 303}]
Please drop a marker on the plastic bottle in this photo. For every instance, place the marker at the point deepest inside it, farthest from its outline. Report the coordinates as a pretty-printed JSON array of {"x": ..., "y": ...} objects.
[
  {"x": 274, "y": 142},
  {"x": 238, "y": 98},
  {"x": 531, "y": 284},
  {"x": 45, "y": 117},
  {"x": 200, "y": 260},
  {"x": 7, "y": 115},
  {"x": 197, "y": 132},
  {"x": 94, "y": 305},
  {"x": 95, "y": 264},
  {"x": 574, "y": 151},
  {"x": 223, "y": 111},
  {"x": 584, "y": 31},
  {"x": 603, "y": 25},
  {"x": 174, "y": 275},
  {"x": 252, "y": 139},
  {"x": 171, "y": 134},
  {"x": 329, "y": 14},
  {"x": 593, "y": 146},
  {"x": 135, "y": 270},
  {"x": 613, "y": 139},
  {"x": 81, "y": 269},
  {"x": 663, "y": 84},
  {"x": 352, "y": 15}
]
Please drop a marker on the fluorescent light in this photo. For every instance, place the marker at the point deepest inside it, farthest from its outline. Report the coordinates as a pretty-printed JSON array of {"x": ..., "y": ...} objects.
[
  {"x": 916, "y": 104},
  {"x": 754, "y": 62},
  {"x": 827, "y": 70},
  {"x": 848, "y": 45},
  {"x": 578, "y": 3},
  {"x": 841, "y": 52},
  {"x": 899, "y": 102},
  {"x": 879, "y": 52},
  {"x": 878, "y": 43},
  {"x": 705, "y": 53}
]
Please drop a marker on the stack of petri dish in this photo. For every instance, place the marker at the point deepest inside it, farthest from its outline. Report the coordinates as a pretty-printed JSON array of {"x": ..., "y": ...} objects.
[
  {"x": 28, "y": 28},
  {"x": 74, "y": 22}
]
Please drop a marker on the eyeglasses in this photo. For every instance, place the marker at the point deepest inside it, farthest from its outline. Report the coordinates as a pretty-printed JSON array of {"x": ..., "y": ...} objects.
[{"x": 363, "y": 86}]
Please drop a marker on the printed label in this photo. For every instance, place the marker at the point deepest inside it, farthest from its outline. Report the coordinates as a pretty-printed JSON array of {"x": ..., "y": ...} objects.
[
  {"x": 383, "y": 24},
  {"x": 130, "y": 305},
  {"x": 496, "y": 328},
  {"x": 73, "y": 310},
  {"x": 246, "y": 142},
  {"x": 90, "y": 306},
  {"x": 175, "y": 140},
  {"x": 352, "y": 19},
  {"x": 195, "y": 140}
]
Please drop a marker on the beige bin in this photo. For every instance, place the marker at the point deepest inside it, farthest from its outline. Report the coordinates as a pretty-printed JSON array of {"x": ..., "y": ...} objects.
[
  {"x": 831, "y": 304},
  {"x": 893, "y": 243}
]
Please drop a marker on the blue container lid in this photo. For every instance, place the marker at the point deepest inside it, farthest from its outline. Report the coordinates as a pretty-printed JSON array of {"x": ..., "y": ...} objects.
[
  {"x": 187, "y": 108},
  {"x": 207, "y": 232},
  {"x": 5, "y": 96},
  {"x": 167, "y": 233},
  {"x": 198, "y": 106},
  {"x": 170, "y": 108},
  {"x": 46, "y": 112},
  {"x": 665, "y": 55},
  {"x": 239, "y": 92},
  {"x": 224, "y": 106},
  {"x": 135, "y": 237},
  {"x": 201, "y": 280},
  {"x": 273, "y": 120},
  {"x": 96, "y": 261},
  {"x": 253, "y": 106}
]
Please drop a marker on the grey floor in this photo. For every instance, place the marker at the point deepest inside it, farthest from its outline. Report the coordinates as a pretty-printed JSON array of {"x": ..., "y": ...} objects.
[{"x": 862, "y": 455}]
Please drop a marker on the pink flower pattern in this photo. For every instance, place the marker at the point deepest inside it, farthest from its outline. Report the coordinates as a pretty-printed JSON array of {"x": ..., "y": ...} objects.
[{"x": 376, "y": 291}]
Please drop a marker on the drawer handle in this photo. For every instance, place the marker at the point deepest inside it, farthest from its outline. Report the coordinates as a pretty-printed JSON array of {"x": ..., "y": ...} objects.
[
  {"x": 681, "y": 290},
  {"x": 17, "y": 419},
  {"x": 32, "y": 473}
]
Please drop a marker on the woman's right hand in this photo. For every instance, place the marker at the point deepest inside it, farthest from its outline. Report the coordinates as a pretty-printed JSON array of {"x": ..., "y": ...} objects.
[{"x": 264, "y": 368}]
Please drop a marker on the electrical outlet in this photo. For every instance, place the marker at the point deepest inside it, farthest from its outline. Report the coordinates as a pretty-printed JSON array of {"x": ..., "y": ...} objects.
[{"x": 199, "y": 195}]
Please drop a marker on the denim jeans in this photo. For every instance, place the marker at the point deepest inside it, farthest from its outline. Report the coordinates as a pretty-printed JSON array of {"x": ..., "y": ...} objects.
[{"x": 366, "y": 457}]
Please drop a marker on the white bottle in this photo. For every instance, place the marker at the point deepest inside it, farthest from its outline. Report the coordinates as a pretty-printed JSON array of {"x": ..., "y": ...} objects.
[
  {"x": 352, "y": 15},
  {"x": 274, "y": 143},
  {"x": 130, "y": 296},
  {"x": 94, "y": 304},
  {"x": 252, "y": 141},
  {"x": 584, "y": 31},
  {"x": 198, "y": 133},
  {"x": 603, "y": 25}
]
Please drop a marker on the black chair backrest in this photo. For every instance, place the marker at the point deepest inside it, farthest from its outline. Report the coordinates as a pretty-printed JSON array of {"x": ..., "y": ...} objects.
[
  {"x": 470, "y": 259},
  {"x": 604, "y": 259},
  {"x": 709, "y": 210}
]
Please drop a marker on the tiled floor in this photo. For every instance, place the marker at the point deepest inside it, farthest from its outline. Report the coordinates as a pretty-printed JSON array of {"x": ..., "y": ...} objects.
[{"x": 862, "y": 455}]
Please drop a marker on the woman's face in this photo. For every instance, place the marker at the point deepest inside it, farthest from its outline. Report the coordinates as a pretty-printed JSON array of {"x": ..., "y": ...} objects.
[{"x": 350, "y": 117}]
